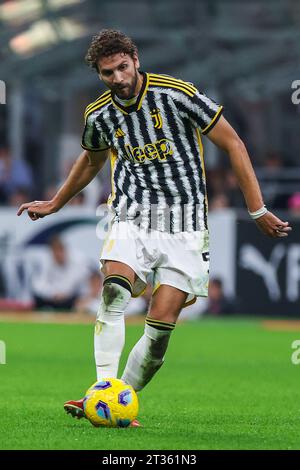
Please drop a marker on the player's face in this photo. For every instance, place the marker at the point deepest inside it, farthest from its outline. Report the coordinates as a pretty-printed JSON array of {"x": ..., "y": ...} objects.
[{"x": 120, "y": 73}]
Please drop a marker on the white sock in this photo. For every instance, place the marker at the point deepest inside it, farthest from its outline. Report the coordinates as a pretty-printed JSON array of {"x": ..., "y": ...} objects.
[
  {"x": 109, "y": 335},
  {"x": 147, "y": 356}
]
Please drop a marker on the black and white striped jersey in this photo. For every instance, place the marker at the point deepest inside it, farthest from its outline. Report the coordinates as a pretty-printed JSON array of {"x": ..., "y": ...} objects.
[{"x": 158, "y": 176}]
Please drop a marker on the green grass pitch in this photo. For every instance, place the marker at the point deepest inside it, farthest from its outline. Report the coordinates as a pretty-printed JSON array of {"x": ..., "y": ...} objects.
[{"x": 225, "y": 384}]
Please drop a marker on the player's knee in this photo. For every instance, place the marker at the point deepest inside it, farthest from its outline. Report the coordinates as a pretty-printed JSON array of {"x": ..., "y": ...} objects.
[
  {"x": 111, "y": 292},
  {"x": 116, "y": 293},
  {"x": 110, "y": 268},
  {"x": 159, "y": 315}
]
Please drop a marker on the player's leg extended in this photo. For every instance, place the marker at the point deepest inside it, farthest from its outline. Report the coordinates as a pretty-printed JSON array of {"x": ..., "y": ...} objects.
[
  {"x": 147, "y": 356},
  {"x": 109, "y": 334}
]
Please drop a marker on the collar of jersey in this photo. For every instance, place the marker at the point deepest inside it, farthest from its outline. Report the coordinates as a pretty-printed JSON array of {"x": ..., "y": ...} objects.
[{"x": 138, "y": 104}]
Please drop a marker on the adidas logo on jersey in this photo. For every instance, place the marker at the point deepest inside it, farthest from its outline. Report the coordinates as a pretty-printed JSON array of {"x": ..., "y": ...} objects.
[{"x": 119, "y": 133}]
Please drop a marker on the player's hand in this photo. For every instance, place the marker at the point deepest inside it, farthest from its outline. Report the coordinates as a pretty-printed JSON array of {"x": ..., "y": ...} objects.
[
  {"x": 37, "y": 209},
  {"x": 272, "y": 226}
]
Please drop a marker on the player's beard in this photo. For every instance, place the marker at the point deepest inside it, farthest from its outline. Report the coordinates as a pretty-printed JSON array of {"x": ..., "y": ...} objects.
[{"x": 129, "y": 90}]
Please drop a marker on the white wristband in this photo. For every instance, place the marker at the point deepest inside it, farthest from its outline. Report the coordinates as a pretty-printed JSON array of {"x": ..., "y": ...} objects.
[{"x": 259, "y": 213}]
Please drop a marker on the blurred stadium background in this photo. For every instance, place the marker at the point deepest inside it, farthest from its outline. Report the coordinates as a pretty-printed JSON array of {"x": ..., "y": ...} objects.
[{"x": 244, "y": 55}]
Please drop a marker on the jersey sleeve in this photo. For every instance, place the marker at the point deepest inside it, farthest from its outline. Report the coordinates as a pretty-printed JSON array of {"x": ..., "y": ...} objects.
[
  {"x": 201, "y": 110},
  {"x": 94, "y": 137}
]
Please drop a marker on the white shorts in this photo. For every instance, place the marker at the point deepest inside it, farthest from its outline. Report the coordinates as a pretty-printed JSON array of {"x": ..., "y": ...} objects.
[{"x": 180, "y": 260}]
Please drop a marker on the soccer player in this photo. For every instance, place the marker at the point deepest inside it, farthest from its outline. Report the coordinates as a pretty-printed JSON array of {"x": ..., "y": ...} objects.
[{"x": 150, "y": 126}]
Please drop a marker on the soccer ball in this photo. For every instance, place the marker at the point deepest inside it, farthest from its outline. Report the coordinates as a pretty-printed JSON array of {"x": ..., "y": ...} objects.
[{"x": 111, "y": 403}]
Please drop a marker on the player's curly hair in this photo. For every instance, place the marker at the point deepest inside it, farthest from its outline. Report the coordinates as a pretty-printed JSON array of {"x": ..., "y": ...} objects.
[{"x": 109, "y": 42}]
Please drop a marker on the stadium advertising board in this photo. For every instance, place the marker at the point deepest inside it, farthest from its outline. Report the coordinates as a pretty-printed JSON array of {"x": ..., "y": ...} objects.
[{"x": 267, "y": 271}]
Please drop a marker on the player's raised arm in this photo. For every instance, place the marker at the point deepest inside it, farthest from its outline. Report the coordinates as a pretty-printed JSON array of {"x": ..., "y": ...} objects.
[
  {"x": 82, "y": 173},
  {"x": 225, "y": 137}
]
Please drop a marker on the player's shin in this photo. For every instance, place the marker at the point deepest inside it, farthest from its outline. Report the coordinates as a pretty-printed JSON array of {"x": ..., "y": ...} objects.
[
  {"x": 147, "y": 356},
  {"x": 109, "y": 335}
]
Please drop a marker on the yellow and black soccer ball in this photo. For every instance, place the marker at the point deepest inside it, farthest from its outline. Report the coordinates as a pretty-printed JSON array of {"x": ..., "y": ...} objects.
[{"x": 111, "y": 402}]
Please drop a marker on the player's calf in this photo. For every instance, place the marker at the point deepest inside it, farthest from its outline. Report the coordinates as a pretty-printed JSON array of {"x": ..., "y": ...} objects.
[
  {"x": 147, "y": 356},
  {"x": 109, "y": 335}
]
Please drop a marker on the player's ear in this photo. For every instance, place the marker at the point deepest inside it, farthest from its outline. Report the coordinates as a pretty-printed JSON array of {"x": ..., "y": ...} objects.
[{"x": 136, "y": 60}]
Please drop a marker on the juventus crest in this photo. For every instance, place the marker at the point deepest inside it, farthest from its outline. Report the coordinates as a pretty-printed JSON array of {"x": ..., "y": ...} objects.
[{"x": 156, "y": 116}]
